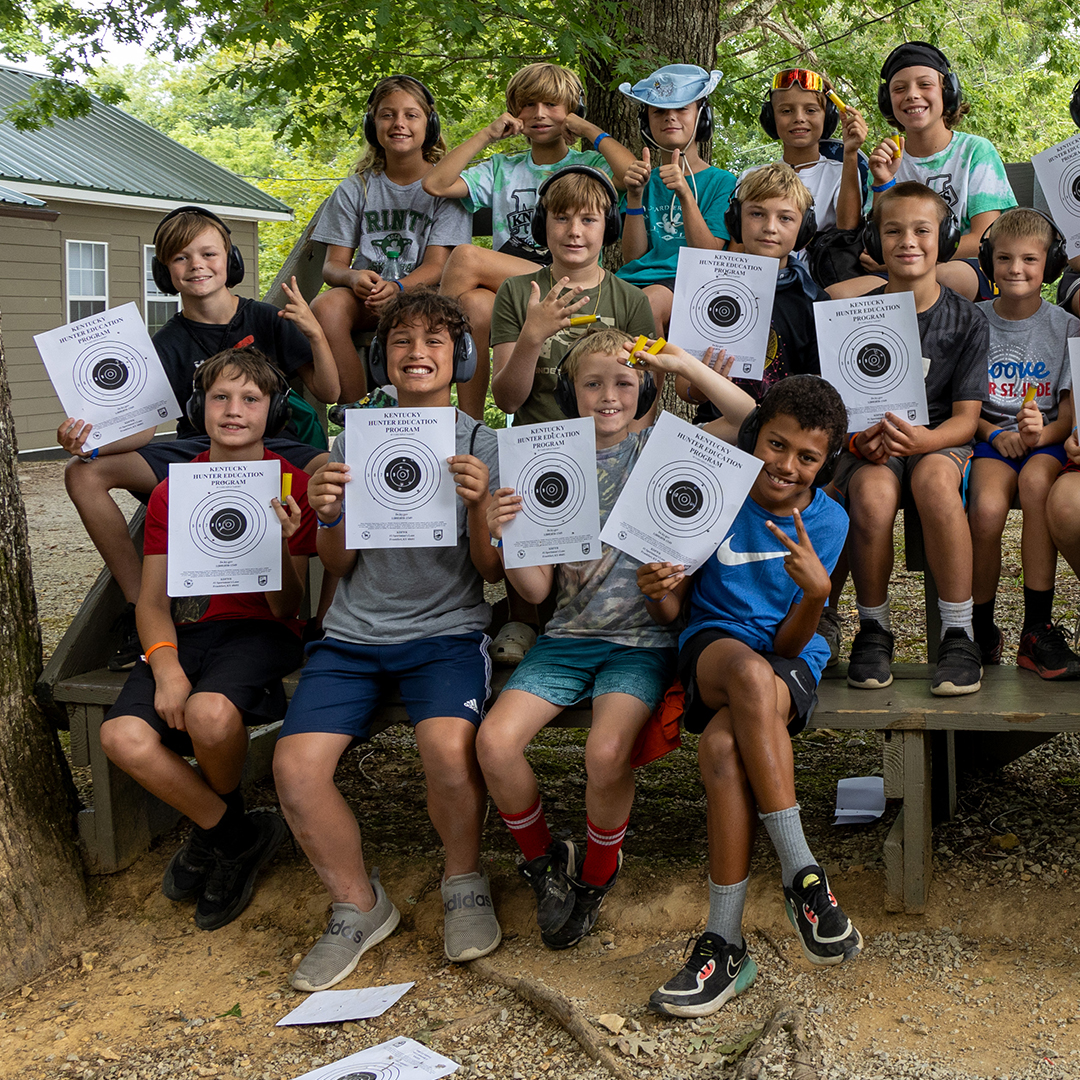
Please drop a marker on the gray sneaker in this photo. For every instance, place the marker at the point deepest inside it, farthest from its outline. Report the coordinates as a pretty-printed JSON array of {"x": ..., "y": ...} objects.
[
  {"x": 831, "y": 627},
  {"x": 470, "y": 927},
  {"x": 350, "y": 934}
]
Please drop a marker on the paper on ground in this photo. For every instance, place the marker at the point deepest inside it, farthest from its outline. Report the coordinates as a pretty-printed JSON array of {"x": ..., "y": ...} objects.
[
  {"x": 859, "y": 799},
  {"x": 725, "y": 300},
  {"x": 402, "y": 491},
  {"x": 871, "y": 352},
  {"x": 1058, "y": 170},
  {"x": 106, "y": 371},
  {"x": 397, "y": 1059},
  {"x": 224, "y": 536},
  {"x": 553, "y": 468},
  {"x": 333, "y": 1006},
  {"x": 682, "y": 496}
]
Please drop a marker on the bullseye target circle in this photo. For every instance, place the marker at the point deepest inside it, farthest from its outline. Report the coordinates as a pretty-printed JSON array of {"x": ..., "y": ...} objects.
[
  {"x": 373, "y": 1071},
  {"x": 683, "y": 500},
  {"x": 874, "y": 360},
  {"x": 1069, "y": 186},
  {"x": 724, "y": 311},
  {"x": 110, "y": 373},
  {"x": 552, "y": 489},
  {"x": 228, "y": 524},
  {"x": 402, "y": 474}
]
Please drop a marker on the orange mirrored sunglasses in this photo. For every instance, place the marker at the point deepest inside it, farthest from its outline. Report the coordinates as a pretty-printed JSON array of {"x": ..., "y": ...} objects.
[{"x": 790, "y": 77}]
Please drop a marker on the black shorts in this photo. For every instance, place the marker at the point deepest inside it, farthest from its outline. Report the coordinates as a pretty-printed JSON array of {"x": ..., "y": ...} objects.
[
  {"x": 242, "y": 659},
  {"x": 796, "y": 675},
  {"x": 161, "y": 454}
]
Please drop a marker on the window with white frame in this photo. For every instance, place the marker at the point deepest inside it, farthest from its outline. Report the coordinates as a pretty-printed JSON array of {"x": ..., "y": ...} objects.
[
  {"x": 87, "y": 278},
  {"x": 159, "y": 306}
]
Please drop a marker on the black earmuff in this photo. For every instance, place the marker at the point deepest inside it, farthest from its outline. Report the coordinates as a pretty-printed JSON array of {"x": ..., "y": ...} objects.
[
  {"x": 750, "y": 429},
  {"x": 234, "y": 268},
  {"x": 278, "y": 414},
  {"x": 611, "y": 215},
  {"x": 952, "y": 92},
  {"x": 566, "y": 396},
  {"x": 733, "y": 223},
  {"x": 702, "y": 133},
  {"x": 948, "y": 238},
  {"x": 434, "y": 125},
  {"x": 1074, "y": 104},
  {"x": 464, "y": 368},
  {"x": 767, "y": 118},
  {"x": 1056, "y": 256}
]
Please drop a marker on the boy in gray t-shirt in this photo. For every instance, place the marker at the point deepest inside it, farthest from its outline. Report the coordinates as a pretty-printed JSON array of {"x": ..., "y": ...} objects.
[
  {"x": 414, "y": 617},
  {"x": 1027, "y": 416}
]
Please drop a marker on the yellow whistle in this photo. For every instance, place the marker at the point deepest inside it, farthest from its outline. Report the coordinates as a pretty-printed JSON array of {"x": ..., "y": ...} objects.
[
  {"x": 1029, "y": 395},
  {"x": 899, "y": 150},
  {"x": 835, "y": 99},
  {"x": 583, "y": 320},
  {"x": 286, "y": 487},
  {"x": 656, "y": 346}
]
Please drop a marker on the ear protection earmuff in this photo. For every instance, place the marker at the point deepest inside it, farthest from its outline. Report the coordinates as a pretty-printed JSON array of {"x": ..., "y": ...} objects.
[
  {"x": 702, "y": 133},
  {"x": 948, "y": 238},
  {"x": 750, "y": 429},
  {"x": 1074, "y": 104},
  {"x": 566, "y": 396},
  {"x": 767, "y": 118},
  {"x": 733, "y": 223},
  {"x": 611, "y": 215},
  {"x": 1056, "y": 257},
  {"x": 234, "y": 267},
  {"x": 464, "y": 360},
  {"x": 434, "y": 125},
  {"x": 278, "y": 414},
  {"x": 951, "y": 92}
]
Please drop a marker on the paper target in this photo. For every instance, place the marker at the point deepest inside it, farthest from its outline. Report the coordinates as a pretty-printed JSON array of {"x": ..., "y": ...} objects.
[
  {"x": 683, "y": 500},
  {"x": 724, "y": 311},
  {"x": 228, "y": 524},
  {"x": 1069, "y": 187},
  {"x": 402, "y": 474},
  {"x": 874, "y": 360},
  {"x": 373, "y": 1071},
  {"x": 110, "y": 373},
  {"x": 552, "y": 489}
]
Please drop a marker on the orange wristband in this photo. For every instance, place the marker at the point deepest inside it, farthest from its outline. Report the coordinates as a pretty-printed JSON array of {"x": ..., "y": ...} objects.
[
  {"x": 160, "y": 645},
  {"x": 852, "y": 447}
]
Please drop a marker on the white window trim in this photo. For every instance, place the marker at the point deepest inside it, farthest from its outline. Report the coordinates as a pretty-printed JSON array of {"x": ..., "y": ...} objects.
[
  {"x": 67, "y": 274},
  {"x": 157, "y": 297}
]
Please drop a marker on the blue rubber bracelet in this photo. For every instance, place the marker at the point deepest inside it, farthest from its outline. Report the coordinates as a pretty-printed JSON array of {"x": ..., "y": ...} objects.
[
  {"x": 399, "y": 285},
  {"x": 330, "y": 524},
  {"x": 993, "y": 435},
  {"x": 94, "y": 453},
  {"x": 884, "y": 187},
  {"x": 638, "y": 212},
  {"x": 599, "y": 139}
]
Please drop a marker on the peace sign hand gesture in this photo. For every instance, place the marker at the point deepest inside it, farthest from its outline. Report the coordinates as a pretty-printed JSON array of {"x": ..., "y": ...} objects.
[{"x": 801, "y": 562}]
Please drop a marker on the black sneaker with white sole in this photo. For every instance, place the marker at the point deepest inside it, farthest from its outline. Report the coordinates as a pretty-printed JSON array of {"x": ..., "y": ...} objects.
[
  {"x": 959, "y": 665},
  {"x": 549, "y": 875},
  {"x": 825, "y": 932},
  {"x": 714, "y": 974},
  {"x": 871, "y": 657},
  {"x": 585, "y": 912}
]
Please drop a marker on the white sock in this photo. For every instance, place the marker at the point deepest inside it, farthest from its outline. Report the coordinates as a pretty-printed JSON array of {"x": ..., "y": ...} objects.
[
  {"x": 879, "y": 614},
  {"x": 956, "y": 615}
]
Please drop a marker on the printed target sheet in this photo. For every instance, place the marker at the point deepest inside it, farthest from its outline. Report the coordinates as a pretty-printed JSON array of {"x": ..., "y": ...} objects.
[
  {"x": 871, "y": 352},
  {"x": 402, "y": 491},
  {"x": 1058, "y": 170},
  {"x": 682, "y": 496},
  {"x": 106, "y": 371},
  {"x": 725, "y": 300},
  {"x": 553, "y": 468},
  {"x": 396, "y": 1059},
  {"x": 224, "y": 536}
]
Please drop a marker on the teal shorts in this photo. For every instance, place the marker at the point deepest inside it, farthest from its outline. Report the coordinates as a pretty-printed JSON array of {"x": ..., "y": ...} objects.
[{"x": 567, "y": 670}]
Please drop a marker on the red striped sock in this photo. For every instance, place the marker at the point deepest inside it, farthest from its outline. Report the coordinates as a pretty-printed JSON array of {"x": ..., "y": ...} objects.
[
  {"x": 530, "y": 830},
  {"x": 602, "y": 853}
]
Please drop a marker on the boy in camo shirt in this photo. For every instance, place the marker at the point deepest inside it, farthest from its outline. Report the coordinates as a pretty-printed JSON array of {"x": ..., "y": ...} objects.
[{"x": 602, "y": 642}]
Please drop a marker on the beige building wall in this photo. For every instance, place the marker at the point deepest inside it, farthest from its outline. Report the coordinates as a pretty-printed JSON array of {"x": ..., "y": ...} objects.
[{"x": 33, "y": 292}]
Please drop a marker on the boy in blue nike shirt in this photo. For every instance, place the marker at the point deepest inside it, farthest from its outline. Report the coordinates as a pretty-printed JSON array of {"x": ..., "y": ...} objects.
[{"x": 750, "y": 661}]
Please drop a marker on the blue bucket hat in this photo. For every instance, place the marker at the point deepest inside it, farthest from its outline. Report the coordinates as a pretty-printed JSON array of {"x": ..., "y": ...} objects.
[{"x": 673, "y": 86}]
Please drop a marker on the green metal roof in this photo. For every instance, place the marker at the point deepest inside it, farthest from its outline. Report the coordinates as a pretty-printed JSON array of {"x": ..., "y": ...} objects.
[{"x": 111, "y": 152}]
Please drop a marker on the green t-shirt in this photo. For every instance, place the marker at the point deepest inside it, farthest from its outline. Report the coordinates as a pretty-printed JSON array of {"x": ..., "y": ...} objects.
[{"x": 618, "y": 304}]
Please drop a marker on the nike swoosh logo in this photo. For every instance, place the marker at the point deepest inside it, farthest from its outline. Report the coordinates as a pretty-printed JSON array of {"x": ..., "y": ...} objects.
[
  {"x": 733, "y": 970},
  {"x": 736, "y": 558},
  {"x": 798, "y": 681}
]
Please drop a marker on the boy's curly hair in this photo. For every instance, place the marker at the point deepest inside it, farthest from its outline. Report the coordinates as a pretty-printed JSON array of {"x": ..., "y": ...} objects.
[
  {"x": 543, "y": 82},
  {"x": 811, "y": 402},
  {"x": 777, "y": 180},
  {"x": 175, "y": 234},
  {"x": 373, "y": 159},
  {"x": 247, "y": 363},
  {"x": 425, "y": 305},
  {"x": 1020, "y": 223}
]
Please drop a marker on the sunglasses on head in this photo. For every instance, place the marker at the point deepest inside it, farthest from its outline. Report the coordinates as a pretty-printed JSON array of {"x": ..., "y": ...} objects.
[{"x": 790, "y": 77}]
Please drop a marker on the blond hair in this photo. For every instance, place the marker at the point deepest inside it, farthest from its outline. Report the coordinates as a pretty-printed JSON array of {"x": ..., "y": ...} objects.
[
  {"x": 909, "y": 189},
  {"x": 576, "y": 192},
  {"x": 605, "y": 342},
  {"x": 373, "y": 159},
  {"x": 1020, "y": 223},
  {"x": 777, "y": 180},
  {"x": 543, "y": 82}
]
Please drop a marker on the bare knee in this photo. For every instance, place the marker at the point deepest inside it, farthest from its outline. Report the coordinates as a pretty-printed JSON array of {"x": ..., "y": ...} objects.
[
  {"x": 462, "y": 269},
  {"x": 607, "y": 759},
  {"x": 337, "y": 310},
  {"x": 129, "y": 741},
  {"x": 718, "y": 757},
  {"x": 212, "y": 720}
]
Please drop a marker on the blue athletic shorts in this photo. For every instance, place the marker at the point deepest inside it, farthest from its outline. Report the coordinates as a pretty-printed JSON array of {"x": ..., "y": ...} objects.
[
  {"x": 985, "y": 450},
  {"x": 566, "y": 670},
  {"x": 343, "y": 683}
]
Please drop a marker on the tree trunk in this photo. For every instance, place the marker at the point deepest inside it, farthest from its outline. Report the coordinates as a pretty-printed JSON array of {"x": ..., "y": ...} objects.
[{"x": 42, "y": 894}]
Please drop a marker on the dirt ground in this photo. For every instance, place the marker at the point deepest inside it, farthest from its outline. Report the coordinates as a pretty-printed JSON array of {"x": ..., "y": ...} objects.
[{"x": 984, "y": 984}]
